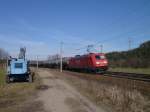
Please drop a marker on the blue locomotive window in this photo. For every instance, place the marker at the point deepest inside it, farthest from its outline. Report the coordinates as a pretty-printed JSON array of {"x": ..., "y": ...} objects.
[{"x": 18, "y": 65}]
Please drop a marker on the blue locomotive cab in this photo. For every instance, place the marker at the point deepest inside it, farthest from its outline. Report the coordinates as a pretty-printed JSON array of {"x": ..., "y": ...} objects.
[{"x": 17, "y": 69}]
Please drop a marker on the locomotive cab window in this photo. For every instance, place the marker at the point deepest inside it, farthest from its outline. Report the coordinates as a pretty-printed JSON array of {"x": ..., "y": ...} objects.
[
  {"x": 18, "y": 65},
  {"x": 99, "y": 57}
]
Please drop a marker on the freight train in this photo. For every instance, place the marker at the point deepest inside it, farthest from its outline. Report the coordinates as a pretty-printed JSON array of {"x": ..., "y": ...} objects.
[{"x": 91, "y": 62}]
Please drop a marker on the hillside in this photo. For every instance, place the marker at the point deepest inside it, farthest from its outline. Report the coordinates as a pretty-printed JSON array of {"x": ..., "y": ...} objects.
[{"x": 137, "y": 58}]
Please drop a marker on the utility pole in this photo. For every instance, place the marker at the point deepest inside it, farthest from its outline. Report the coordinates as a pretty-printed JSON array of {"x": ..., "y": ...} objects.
[
  {"x": 37, "y": 62},
  {"x": 101, "y": 48},
  {"x": 61, "y": 55},
  {"x": 7, "y": 63}
]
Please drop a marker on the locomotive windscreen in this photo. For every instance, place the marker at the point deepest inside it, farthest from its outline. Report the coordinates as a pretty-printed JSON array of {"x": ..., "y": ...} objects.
[
  {"x": 18, "y": 65},
  {"x": 98, "y": 57}
]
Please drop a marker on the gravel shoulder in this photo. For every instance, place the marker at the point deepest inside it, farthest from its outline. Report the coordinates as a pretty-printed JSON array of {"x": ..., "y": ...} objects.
[{"x": 58, "y": 96}]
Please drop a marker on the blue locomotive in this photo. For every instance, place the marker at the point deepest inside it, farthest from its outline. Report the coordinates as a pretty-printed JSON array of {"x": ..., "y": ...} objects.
[{"x": 18, "y": 68}]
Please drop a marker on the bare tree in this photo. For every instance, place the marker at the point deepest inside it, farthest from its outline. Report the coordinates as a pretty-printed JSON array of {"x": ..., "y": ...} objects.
[{"x": 3, "y": 54}]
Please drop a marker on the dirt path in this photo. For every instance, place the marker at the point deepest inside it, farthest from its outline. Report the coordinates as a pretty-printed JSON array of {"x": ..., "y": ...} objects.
[{"x": 59, "y": 96}]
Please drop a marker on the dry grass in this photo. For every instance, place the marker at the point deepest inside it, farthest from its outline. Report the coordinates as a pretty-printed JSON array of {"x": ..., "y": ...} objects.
[
  {"x": 131, "y": 70},
  {"x": 121, "y": 100},
  {"x": 116, "y": 97},
  {"x": 13, "y": 96}
]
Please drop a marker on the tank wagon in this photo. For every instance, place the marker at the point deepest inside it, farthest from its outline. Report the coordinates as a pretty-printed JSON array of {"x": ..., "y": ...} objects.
[{"x": 92, "y": 62}]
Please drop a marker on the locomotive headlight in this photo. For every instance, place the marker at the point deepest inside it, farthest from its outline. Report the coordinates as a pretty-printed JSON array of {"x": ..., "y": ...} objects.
[{"x": 97, "y": 63}]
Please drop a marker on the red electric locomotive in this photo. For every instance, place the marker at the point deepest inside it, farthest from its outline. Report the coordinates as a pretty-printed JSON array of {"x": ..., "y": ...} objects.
[{"x": 96, "y": 62}]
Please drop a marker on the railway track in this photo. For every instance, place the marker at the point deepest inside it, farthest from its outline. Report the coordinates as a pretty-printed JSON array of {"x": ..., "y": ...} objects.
[{"x": 132, "y": 76}]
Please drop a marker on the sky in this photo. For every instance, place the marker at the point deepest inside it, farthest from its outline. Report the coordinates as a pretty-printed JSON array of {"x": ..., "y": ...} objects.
[{"x": 41, "y": 25}]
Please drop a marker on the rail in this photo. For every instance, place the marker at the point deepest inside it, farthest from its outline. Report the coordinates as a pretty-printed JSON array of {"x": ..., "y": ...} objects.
[{"x": 133, "y": 76}]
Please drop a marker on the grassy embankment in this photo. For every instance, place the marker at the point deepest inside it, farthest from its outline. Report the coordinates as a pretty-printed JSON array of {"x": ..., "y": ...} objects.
[
  {"x": 107, "y": 92},
  {"x": 131, "y": 70},
  {"x": 14, "y": 96}
]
